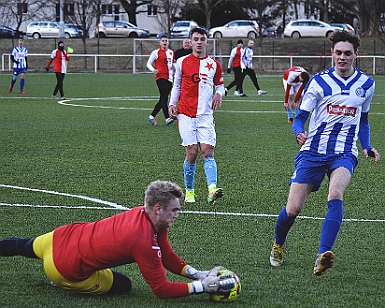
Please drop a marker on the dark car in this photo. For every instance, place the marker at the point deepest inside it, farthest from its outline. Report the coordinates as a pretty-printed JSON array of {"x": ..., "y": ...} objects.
[{"x": 8, "y": 32}]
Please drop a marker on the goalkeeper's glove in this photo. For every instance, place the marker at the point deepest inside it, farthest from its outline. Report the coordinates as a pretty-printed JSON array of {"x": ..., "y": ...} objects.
[
  {"x": 192, "y": 273},
  {"x": 229, "y": 70},
  {"x": 213, "y": 283}
]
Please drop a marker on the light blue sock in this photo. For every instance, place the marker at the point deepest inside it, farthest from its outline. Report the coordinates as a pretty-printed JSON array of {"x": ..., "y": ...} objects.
[
  {"x": 289, "y": 113},
  {"x": 189, "y": 174},
  {"x": 331, "y": 225},
  {"x": 210, "y": 167},
  {"x": 283, "y": 226}
]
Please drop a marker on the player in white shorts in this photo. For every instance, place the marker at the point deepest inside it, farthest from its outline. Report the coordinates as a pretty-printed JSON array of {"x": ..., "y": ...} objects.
[{"x": 195, "y": 76}]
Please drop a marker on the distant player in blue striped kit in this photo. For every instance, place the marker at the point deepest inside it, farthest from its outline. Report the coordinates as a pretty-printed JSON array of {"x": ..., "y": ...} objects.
[
  {"x": 338, "y": 101},
  {"x": 19, "y": 58}
]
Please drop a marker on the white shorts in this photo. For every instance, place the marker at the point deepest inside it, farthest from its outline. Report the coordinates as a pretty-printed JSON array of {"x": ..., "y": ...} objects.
[
  {"x": 197, "y": 130},
  {"x": 294, "y": 87}
]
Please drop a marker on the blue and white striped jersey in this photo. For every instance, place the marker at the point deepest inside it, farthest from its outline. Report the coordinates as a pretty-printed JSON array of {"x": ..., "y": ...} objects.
[
  {"x": 337, "y": 104},
  {"x": 20, "y": 54},
  {"x": 247, "y": 57}
]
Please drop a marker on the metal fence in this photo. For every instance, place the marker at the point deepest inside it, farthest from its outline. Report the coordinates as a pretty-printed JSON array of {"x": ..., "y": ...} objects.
[{"x": 136, "y": 63}]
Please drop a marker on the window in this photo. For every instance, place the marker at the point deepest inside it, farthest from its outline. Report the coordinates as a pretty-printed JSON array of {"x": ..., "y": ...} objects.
[
  {"x": 69, "y": 9},
  {"x": 22, "y": 8},
  {"x": 152, "y": 10},
  {"x": 106, "y": 9}
]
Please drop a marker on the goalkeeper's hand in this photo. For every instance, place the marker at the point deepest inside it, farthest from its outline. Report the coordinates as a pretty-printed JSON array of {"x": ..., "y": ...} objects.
[
  {"x": 47, "y": 69},
  {"x": 192, "y": 273},
  {"x": 213, "y": 283},
  {"x": 229, "y": 70}
]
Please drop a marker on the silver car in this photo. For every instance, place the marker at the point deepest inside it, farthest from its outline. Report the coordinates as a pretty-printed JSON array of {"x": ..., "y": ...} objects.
[
  {"x": 182, "y": 28},
  {"x": 309, "y": 28},
  {"x": 49, "y": 29},
  {"x": 120, "y": 29}
]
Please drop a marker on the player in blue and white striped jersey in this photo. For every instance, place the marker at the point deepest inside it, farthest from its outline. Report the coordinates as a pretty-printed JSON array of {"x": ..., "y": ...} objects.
[
  {"x": 338, "y": 100},
  {"x": 19, "y": 58}
]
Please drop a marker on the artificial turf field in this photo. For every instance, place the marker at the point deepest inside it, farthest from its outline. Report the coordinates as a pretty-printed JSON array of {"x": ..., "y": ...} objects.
[{"x": 88, "y": 157}]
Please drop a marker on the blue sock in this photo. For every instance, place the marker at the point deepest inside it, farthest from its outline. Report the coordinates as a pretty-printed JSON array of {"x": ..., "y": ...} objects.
[
  {"x": 189, "y": 174},
  {"x": 283, "y": 226},
  {"x": 210, "y": 167},
  {"x": 289, "y": 113},
  {"x": 21, "y": 84},
  {"x": 331, "y": 225}
]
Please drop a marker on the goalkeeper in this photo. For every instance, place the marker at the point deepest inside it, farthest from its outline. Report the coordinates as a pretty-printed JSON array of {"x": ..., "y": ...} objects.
[{"x": 78, "y": 257}]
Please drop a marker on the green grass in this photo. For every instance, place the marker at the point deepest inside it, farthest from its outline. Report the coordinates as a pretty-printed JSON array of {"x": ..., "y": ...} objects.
[{"x": 113, "y": 153}]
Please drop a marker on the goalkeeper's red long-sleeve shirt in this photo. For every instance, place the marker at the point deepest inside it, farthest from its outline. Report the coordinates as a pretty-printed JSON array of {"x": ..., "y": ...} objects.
[{"x": 80, "y": 249}]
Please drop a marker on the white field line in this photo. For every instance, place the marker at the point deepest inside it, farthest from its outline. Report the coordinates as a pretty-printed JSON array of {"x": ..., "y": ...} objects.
[{"x": 115, "y": 206}]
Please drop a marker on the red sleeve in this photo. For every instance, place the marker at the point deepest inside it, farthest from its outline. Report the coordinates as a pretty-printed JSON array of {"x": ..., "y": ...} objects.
[
  {"x": 299, "y": 93},
  {"x": 288, "y": 87},
  {"x": 49, "y": 62},
  {"x": 150, "y": 261},
  {"x": 171, "y": 261},
  {"x": 218, "y": 79},
  {"x": 67, "y": 57}
]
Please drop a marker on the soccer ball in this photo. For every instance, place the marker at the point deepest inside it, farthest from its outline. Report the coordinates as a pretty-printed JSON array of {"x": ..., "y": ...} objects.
[{"x": 234, "y": 292}]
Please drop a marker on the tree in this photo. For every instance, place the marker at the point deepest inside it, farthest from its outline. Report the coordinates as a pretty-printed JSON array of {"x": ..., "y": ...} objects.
[
  {"x": 14, "y": 12},
  {"x": 84, "y": 14},
  {"x": 167, "y": 11},
  {"x": 369, "y": 12},
  {"x": 132, "y": 8},
  {"x": 207, "y": 7}
]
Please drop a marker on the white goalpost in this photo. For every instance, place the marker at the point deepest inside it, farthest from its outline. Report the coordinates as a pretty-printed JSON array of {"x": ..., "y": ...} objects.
[{"x": 144, "y": 47}]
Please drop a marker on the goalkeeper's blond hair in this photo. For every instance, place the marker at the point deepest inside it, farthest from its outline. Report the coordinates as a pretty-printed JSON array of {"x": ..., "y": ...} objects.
[{"x": 161, "y": 192}]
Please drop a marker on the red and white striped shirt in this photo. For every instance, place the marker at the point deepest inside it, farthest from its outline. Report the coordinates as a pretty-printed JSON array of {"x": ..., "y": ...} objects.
[
  {"x": 193, "y": 85},
  {"x": 291, "y": 77},
  {"x": 59, "y": 59},
  {"x": 235, "y": 57},
  {"x": 164, "y": 60}
]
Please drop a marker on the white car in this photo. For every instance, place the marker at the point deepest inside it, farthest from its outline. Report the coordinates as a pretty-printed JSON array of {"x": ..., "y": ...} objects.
[
  {"x": 236, "y": 28},
  {"x": 49, "y": 29},
  {"x": 308, "y": 28}
]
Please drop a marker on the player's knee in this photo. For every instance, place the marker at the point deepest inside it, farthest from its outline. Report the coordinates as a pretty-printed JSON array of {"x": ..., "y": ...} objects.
[
  {"x": 335, "y": 193},
  {"x": 121, "y": 284}
]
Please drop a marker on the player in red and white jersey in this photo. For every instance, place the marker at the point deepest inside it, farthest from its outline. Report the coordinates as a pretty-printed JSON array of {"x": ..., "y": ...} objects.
[
  {"x": 59, "y": 57},
  {"x": 163, "y": 59},
  {"x": 294, "y": 81},
  {"x": 195, "y": 77},
  {"x": 78, "y": 257},
  {"x": 235, "y": 64}
]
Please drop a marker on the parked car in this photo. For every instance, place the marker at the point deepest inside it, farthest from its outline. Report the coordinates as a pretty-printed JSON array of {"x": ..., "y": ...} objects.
[
  {"x": 159, "y": 35},
  {"x": 119, "y": 29},
  {"x": 75, "y": 27},
  {"x": 236, "y": 28},
  {"x": 309, "y": 28},
  {"x": 182, "y": 28},
  {"x": 9, "y": 32},
  {"x": 49, "y": 29},
  {"x": 346, "y": 27}
]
